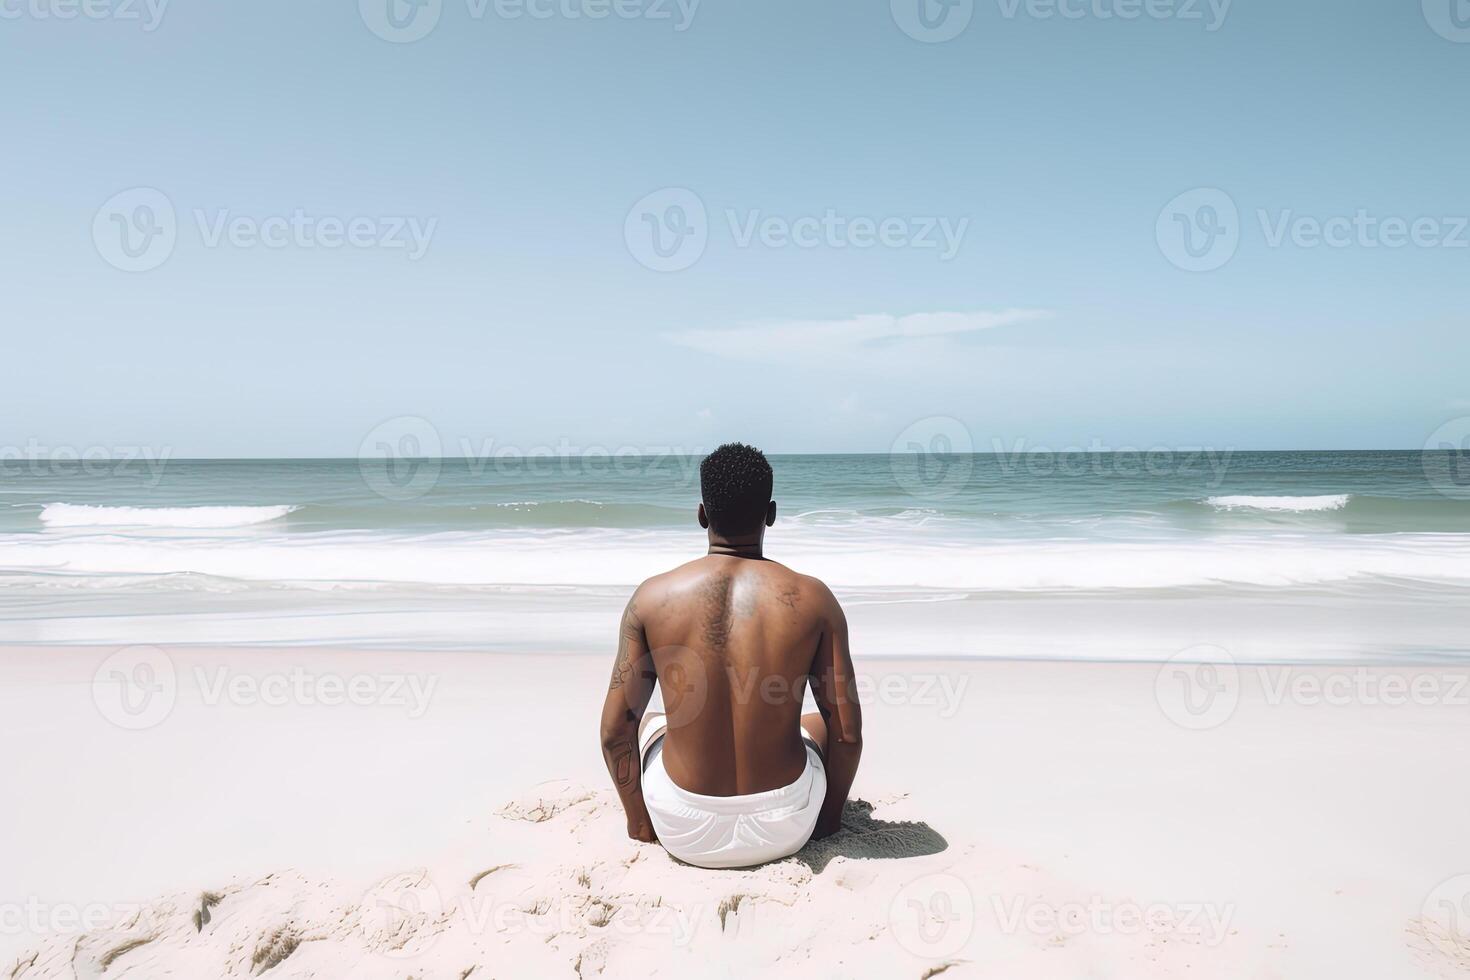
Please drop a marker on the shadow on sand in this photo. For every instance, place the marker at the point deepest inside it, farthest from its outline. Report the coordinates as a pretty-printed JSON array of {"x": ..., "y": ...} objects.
[{"x": 863, "y": 837}]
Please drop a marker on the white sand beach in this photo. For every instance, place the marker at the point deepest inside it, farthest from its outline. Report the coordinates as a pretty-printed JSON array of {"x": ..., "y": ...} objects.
[
  {"x": 318, "y": 813},
  {"x": 380, "y": 373}
]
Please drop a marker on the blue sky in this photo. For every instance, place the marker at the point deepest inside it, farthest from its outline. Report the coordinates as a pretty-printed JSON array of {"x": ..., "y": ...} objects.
[{"x": 1056, "y": 312}]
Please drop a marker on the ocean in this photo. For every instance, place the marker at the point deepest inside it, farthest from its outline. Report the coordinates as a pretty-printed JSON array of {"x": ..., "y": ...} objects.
[{"x": 1279, "y": 556}]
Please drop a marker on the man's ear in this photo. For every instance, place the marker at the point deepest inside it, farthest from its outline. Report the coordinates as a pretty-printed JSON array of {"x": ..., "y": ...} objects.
[
  {"x": 703, "y": 517},
  {"x": 771, "y": 514}
]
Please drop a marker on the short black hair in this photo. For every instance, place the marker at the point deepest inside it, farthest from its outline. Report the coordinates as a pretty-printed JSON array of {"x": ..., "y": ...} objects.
[{"x": 735, "y": 481}]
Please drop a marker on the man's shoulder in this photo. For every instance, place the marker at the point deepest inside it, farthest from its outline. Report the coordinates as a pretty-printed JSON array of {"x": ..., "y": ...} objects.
[
  {"x": 656, "y": 587},
  {"x": 675, "y": 575},
  {"x": 807, "y": 590},
  {"x": 821, "y": 595}
]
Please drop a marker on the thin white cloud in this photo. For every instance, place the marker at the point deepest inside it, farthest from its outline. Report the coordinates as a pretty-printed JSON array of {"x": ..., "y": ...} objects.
[{"x": 870, "y": 333}]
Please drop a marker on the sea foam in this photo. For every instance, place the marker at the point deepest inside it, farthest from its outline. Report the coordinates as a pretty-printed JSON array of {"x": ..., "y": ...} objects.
[
  {"x": 623, "y": 558},
  {"x": 88, "y": 515},
  {"x": 1328, "y": 501}
]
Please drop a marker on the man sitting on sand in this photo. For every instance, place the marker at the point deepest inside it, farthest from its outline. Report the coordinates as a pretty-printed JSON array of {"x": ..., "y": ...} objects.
[{"x": 732, "y": 774}]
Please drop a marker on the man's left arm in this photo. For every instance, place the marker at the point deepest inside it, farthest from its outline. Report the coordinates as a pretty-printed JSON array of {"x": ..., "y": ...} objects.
[{"x": 628, "y": 693}]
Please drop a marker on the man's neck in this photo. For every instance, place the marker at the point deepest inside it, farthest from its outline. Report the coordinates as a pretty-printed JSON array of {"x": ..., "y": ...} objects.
[{"x": 743, "y": 547}]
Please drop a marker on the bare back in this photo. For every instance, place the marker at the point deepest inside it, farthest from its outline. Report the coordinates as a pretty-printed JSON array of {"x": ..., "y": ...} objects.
[{"x": 733, "y": 642}]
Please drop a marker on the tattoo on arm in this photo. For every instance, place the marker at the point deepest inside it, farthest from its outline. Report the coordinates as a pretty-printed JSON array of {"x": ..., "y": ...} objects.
[
  {"x": 624, "y": 764},
  {"x": 630, "y": 633},
  {"x": 621, "y": 668}
]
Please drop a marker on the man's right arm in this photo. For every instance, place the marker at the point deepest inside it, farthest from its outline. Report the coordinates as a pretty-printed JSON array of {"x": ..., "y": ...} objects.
[
  {"x": 834, "y": 686},
  {"x": 627, "y": 698}
]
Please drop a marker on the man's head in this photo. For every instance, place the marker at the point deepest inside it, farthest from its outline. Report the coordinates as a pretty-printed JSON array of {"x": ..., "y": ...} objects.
[{"x": 735, "y": 482}]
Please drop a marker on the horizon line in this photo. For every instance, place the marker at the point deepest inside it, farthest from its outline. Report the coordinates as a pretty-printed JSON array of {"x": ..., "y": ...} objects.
[{"x": 688, "y": 455}]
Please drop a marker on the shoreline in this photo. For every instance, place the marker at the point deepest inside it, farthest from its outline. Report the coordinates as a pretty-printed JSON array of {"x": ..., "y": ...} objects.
[
  {"x": 1361, "y": 625},
  {"x": 1424, "y": 662}
]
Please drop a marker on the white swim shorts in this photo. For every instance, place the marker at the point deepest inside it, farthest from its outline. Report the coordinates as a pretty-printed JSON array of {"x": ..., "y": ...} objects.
[{"x": 729, "y": 831}]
